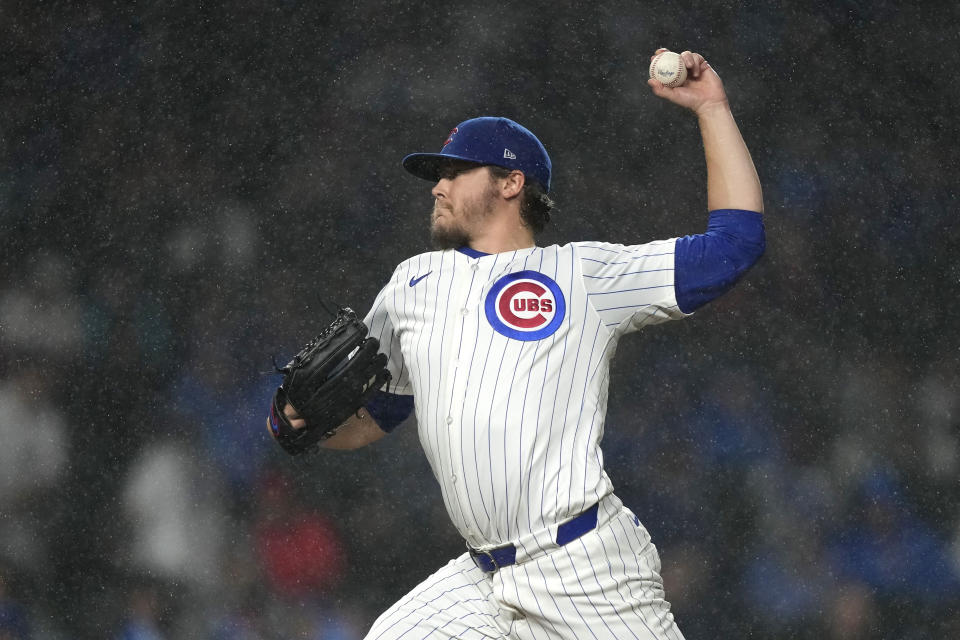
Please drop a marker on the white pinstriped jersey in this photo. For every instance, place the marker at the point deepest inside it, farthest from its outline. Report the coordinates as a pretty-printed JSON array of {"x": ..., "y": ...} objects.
[{"x": 507, "y": 357}]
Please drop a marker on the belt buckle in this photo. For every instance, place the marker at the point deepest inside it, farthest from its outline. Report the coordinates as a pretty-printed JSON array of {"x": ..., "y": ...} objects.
[{"x": 475, "y": 554}]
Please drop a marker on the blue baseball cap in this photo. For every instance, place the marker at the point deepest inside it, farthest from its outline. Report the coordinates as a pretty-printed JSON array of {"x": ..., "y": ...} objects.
[{"x": 487, "y": 140}]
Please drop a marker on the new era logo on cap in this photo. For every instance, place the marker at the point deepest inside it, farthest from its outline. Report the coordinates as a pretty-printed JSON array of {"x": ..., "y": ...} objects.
[{"x": 487, "y": 140}]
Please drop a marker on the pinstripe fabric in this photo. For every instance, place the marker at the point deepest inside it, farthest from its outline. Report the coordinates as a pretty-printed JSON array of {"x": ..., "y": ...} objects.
[
  {"x": 455, "y": 602},
  {"x": 602, "y": 586},
  {"x": 511, "y": 427},
  {"x": 507, "y": 357}
]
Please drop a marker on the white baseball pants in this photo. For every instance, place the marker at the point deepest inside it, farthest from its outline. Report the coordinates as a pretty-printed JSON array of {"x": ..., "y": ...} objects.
[{"x": 604, "y": 585}]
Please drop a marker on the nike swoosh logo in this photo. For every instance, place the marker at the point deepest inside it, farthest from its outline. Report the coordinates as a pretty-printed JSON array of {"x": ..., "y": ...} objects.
[{"x": 414, "y": 281}]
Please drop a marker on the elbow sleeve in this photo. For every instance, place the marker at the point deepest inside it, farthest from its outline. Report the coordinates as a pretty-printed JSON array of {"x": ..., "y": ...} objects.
[
  {"x": 709, "y": 264},
  {"x": 389, "y": 409}
]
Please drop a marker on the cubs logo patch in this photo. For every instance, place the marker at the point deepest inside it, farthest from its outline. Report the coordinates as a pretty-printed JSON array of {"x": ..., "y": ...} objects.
[
  {"x": 526, "y": 305},
  {"x": 449, "y": 139}
]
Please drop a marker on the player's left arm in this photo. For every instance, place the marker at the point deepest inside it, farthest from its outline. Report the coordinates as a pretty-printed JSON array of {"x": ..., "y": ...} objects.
[
  {"x": 732, "y": 181},
  {"x": 708, "y": 264}
]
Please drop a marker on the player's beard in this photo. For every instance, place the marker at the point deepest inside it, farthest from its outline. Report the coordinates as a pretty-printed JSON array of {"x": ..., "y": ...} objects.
[{"x": 454, "y": 229}]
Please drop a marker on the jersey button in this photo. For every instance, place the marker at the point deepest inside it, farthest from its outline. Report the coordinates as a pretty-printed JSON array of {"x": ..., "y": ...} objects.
[
  {"x": 453, "y": 478},
  {"x": 463, "y": 312},
  {"x": 474, "y": 266},
  {"x": 449, "y": 420}
]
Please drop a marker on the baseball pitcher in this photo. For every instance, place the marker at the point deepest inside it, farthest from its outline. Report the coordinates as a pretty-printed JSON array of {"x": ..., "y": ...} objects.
[{"x": 502, "y": 349}]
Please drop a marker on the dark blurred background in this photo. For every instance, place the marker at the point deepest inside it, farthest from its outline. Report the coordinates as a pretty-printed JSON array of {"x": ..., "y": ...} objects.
[{"x": 182, "y": 183}]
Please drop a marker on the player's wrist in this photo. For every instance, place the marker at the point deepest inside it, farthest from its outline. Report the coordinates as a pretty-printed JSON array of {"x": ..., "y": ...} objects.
[{"x": 713, "y": 108}]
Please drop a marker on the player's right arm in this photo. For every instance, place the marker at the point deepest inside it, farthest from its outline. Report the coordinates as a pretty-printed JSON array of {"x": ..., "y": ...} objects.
[
  {"x": 358, "y": 431},
  {"x": 392, "y": 405},
  {"x": 388, "y": 407}
]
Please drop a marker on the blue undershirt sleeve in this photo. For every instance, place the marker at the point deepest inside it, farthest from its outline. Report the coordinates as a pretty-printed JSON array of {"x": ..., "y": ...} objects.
[
  {"x": 708, "y": 264},
  {"x": 389, "y": 409}
]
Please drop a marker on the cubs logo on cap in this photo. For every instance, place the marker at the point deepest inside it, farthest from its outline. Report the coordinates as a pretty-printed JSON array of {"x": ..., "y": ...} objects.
[{"x": 526, "y": 305}]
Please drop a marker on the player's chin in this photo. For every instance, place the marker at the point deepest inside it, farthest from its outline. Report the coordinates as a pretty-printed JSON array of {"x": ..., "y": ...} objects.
[
  {"x": 443, "y": 236},
  {"x": 441, "y": 222}
]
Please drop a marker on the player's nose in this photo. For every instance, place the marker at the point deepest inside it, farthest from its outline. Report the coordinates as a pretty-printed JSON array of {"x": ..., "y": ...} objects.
[{"x": 440, "y": 189}]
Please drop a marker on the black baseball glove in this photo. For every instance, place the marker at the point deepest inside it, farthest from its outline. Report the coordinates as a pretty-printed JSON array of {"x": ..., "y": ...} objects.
[{"x": 327, "y": 382}]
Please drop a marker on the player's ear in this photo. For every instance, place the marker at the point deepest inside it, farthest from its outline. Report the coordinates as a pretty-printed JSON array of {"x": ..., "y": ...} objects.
[{"x": 512, "y": 185}]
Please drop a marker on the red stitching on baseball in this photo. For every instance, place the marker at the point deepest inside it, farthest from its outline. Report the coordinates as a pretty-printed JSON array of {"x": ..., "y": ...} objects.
[{"x": 680, "y": 67}]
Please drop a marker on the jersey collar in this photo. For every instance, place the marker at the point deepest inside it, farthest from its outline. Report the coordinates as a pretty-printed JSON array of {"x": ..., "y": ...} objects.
[{"x": 472, "y": 253}]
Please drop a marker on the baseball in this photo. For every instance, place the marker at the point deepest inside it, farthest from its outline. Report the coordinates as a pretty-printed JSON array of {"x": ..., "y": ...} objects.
[{"x": 667, "y": 67}]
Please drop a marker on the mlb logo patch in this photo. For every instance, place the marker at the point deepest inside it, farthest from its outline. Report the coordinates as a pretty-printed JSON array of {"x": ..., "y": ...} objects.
[{"x": 526, "y": 305}]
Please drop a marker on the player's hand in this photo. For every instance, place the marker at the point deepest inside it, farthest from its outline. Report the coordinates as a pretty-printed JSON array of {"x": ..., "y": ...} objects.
[
  {"x": 703, "y": 89},
  {"x": 295, "y": 421}
]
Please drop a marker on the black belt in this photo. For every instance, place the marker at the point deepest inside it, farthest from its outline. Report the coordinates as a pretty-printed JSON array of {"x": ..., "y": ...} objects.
[{"x": 492, "y": 559}]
